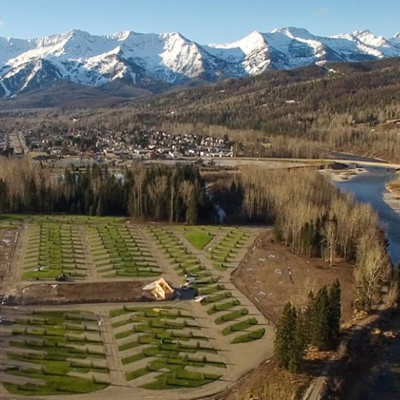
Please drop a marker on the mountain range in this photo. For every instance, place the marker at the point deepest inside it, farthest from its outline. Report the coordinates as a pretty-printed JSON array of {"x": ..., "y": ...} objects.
[{"x": 157, "y": 62}]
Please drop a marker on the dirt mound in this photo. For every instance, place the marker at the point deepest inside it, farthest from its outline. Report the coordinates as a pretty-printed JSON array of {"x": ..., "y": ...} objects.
[{"x": 79, "y": 293}]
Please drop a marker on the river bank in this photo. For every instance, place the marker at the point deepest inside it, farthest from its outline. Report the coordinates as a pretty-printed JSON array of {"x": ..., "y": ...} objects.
[
  {"x": 370, "y": 187},
  {"x": 377, "y": 374},
  {"x": 394, "y": 188},
  {"x": 392, "y": 199},
  {"x": 343, "y": 175}
]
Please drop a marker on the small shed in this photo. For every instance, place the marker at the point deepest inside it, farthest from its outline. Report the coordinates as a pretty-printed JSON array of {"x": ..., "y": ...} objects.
[{"x": 160, "y": 290}]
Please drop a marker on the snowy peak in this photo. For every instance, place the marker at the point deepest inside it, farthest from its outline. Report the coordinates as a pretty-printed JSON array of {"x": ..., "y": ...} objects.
[
  {"x": 395, "y": 41},
  {"x": 241, "y": 48},
  {"x": 369, "y": 39},
  {"x": 151, "y": 60},
  {"x": 294, "y": 32}
]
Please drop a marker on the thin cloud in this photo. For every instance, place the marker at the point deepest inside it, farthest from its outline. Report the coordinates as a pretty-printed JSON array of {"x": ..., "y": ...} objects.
[
  {"x": 321, "y": 12},
  {"x": 1, "y": 22}
]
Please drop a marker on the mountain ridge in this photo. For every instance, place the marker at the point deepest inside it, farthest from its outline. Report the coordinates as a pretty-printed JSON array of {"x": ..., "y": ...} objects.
[{"x": 145, "y": 60}]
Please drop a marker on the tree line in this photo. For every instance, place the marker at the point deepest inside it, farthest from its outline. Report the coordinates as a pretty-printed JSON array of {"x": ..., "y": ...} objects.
[
  {"x": 310, "y": 215},
  {"x": 317, "y": 325},
  {"x": 170, "y": 194},
  {"x": 314, "y": 218}
]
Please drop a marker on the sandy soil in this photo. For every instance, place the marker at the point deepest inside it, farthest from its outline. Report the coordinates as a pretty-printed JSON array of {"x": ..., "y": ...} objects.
[
  {"x": 394, "y": 187},
  {"x": 343, "y": 175},
  {"x": 271, "y": 275},
  {"x": 392, "y": 200},
  {"x": 392, "y": 196}
]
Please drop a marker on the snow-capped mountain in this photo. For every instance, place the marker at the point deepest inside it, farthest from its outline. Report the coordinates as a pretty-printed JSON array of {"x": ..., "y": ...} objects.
[{"x": 171, "y": 59}]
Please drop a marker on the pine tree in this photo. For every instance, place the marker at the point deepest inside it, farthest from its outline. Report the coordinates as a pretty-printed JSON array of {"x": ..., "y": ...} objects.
[
  {"x": 3, "y": 196},
  {"x": 285, "y": 336},
  {"x": 299, "y": 343},
  {"x": 192, "y": 211},
  {"x": 308, "y": 316},
  {"x": 318, "y": 238},
  {"x": 307, "y": 239},
  {"x": 320, "y": 326},
  {"x": 334, "y": 311},
  {"x": 290, "y": 340}
]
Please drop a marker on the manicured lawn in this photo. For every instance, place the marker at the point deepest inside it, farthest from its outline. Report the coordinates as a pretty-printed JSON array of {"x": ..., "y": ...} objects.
[
  {"x": 171, "y": 340},
  {"x": 51, "y": 344},
  {"x": 199, "y": 239},
  {"x": 249, "y": 337},
  {"x": 178, "y": 254},
  {"x": 77, "y": 219},
  {"x": 118, "y": 252},
  {"x": 223, "y": 306},
  {"x": 52, "y": 250},
  {"x": 226, "y": 250},
  {"x": 239, "y": 326},
  {"x": 52, "y": 385},
  {"x": 231, "y": 316}
]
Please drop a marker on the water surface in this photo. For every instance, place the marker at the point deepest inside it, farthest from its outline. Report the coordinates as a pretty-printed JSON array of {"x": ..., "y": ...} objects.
[
  {"x": 382, "y": 380},
  {"x": 370, "y": 188}
]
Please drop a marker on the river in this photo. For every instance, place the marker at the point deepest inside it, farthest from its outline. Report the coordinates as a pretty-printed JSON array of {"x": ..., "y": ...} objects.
[
  {"x": 370, "y": 188},
  {"x": 381, "y": 379}
]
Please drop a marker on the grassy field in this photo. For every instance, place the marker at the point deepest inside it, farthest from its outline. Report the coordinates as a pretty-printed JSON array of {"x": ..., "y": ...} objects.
[
  {"x": 60, "y": 219},
  {"x": 56, "y": 245},
  {"x": 198, "y": 238},
  {"x": 76, "y": 219},
  {"x": 62, "y": 352},
  {"x": 166, "y": 341},
  {"x": 53, "y": 249},
  {"x": 118, "y": 251},
  {"x": 224, "y": 252}
]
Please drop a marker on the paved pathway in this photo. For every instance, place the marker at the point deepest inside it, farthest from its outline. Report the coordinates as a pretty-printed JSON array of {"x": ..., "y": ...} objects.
[
  {"x": 114, "y": 363},
  {"x": 92, "y": 274},
  {"x": 15, "y": 264},
  {"x": 241, "y": 358}
]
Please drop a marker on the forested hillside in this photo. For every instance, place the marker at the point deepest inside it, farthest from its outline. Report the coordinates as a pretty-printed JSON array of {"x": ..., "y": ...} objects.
[{"x": 347, "y": 107}]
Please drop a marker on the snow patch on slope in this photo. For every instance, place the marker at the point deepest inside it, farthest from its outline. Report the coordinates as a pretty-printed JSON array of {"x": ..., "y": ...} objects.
[{"x": 139, "y": 58}]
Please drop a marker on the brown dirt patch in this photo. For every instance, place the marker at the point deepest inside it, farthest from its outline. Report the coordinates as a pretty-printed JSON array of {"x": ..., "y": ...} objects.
[
  {"x": 271, "y": 275},
  {"x": 264, "y": 277},
  {"x": 7, "y": 242},
  {"x": 267, "y": 382},
  {"x": 80, "y": 293}
]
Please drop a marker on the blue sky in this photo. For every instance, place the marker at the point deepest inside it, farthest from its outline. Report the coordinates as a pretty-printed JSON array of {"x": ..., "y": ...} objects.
[{"x": 204, "y": 21}]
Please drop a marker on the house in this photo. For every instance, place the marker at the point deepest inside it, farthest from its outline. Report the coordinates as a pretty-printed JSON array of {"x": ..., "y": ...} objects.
[{"x": 160, "y": 290}]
